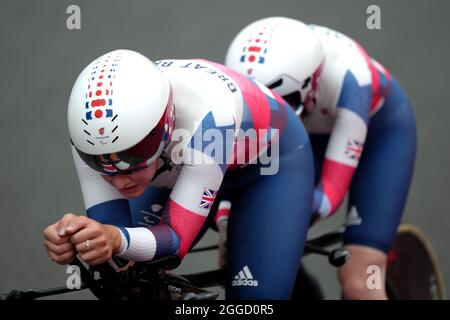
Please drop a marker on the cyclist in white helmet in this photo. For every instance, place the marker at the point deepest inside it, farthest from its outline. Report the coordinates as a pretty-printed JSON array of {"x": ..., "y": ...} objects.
[
  {"x": 155, "y": 144},
  {"x": 348, "y": 103}
]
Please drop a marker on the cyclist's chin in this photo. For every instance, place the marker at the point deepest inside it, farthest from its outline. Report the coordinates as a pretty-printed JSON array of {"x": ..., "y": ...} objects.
[{"x": 133, "y": 192}]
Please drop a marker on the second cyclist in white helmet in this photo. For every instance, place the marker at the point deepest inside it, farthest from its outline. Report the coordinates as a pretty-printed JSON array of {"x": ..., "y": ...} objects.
[{"x": 360, "y": 123}]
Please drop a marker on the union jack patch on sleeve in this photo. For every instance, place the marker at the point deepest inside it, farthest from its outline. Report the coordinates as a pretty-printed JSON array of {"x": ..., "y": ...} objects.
[
  {"x": 354, "y": 149},
  {"x": 207, "y": 198}
]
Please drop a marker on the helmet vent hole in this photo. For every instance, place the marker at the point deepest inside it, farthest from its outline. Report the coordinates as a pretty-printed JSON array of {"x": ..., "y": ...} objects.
[
  {"x": 115, "y": 139},
  {"x": 87, "y": 132},
  {"x": 294, "y": 99},
  {"x": 306, "y": 83},
  {"x": 90, "y": 142},
  {"x": 114, "y": 118},
  {"x": 275, "y": 84},
  {"x": 114, "y": 129},
  {"x": 84, "y": 122}
]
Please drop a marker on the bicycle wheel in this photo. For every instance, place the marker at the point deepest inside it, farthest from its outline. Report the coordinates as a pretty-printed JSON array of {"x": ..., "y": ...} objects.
[{"x": 413, "y": 271}]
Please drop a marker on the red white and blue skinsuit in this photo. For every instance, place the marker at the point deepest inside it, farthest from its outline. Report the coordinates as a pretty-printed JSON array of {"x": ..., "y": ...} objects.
[
  {"x": 363, "y": 134},
  {"x": 270, "y": 220}
]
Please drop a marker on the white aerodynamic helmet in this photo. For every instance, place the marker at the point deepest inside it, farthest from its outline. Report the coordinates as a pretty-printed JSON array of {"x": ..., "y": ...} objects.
[
  {"x": 282, "y": 53},
  {"x": 120, "y": 112}
]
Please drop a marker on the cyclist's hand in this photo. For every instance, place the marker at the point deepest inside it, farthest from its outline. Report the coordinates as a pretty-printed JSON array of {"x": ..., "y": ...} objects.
[
  {"x": 222, "y": 226},
  {"x": 94, "y": 242},
  {"x": 57, "y": 242}
]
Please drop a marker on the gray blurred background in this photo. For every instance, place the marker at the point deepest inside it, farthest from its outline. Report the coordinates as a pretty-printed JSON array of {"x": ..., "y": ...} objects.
[{"x": 40, "y": 59}]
